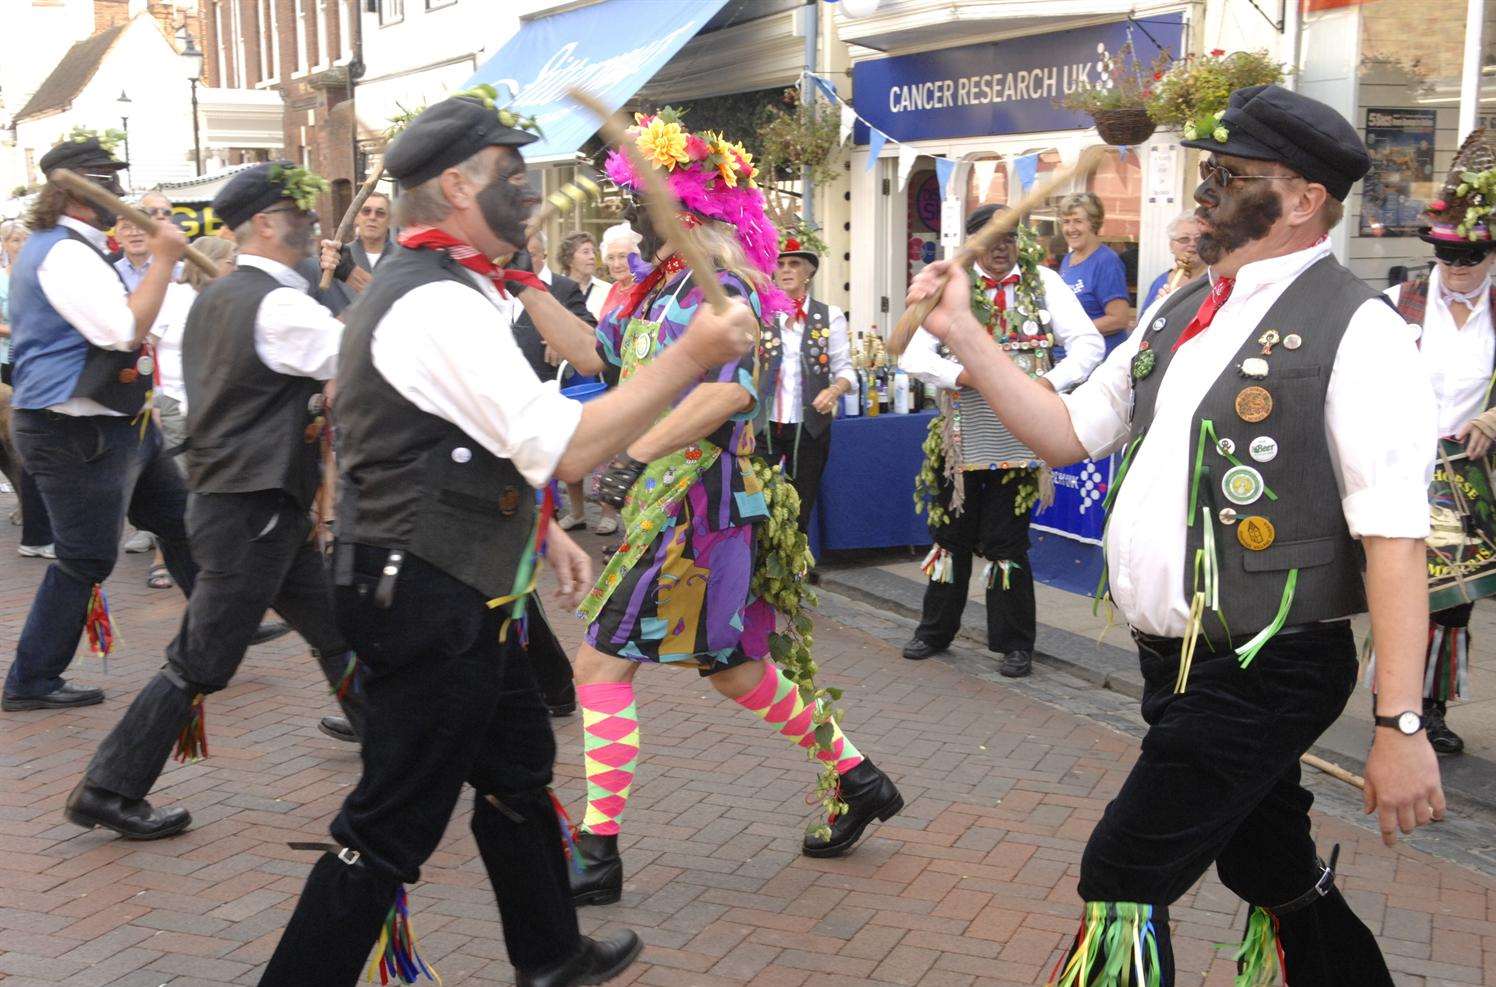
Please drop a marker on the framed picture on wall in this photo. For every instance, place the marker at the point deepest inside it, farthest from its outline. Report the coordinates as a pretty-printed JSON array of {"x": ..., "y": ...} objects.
[{"x": 1401, "y": 180}]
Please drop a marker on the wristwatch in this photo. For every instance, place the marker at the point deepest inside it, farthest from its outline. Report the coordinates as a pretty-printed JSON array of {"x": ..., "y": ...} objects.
[{"x": 1406, "y": 723}]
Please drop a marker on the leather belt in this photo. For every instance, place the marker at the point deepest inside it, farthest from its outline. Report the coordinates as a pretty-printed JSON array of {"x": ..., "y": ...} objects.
[{"x": 1161, "y": 644}]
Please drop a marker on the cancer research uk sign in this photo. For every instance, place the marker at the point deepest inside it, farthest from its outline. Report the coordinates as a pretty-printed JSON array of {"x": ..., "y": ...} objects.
[{"x": 1002, "y": 87}]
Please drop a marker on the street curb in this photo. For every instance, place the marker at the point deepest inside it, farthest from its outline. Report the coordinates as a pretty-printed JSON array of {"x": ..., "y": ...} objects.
[{"x": 1468, "y": 777}]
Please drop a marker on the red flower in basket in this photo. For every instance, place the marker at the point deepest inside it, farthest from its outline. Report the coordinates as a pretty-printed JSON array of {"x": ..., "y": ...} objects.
[{"x": 1217, "y": 52}]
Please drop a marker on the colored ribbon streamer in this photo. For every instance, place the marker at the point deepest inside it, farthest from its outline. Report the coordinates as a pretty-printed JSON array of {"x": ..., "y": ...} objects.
[
  {"x": 1249, "y": 650},
  {"x": 396, "y": 956}
]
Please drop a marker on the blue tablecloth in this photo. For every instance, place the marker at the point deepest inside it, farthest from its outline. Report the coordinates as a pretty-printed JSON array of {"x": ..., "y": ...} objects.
[
  {"x": 867, "y": 501},
  {"x": 867, "y": 491}
]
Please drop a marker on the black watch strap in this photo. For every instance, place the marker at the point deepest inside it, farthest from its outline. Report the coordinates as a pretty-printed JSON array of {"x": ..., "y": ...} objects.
[{"x": 1408, "y": 722}]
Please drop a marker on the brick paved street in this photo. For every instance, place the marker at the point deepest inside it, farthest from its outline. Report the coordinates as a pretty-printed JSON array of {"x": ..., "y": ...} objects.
[{"x": 974, "y": 884}]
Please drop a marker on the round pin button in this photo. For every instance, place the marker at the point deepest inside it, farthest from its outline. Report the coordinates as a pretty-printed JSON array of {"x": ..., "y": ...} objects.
[
  {"x": 1242, "y": 485},
  {"x": 1159, "y": 324},
  {"x": 1225, "y": 447},
  {"x": 1293, "y": 341},
  {"x": 1256, "y": 533},
  {"x": 1254, "y": 367},
  {"x": 1264, "y": 448},
  {"x": 1253, "y": 404},
  {"x": 145, "y": 366},
  {"x": 462, "y": 454},
  {"x": 1228, "y": 515}
]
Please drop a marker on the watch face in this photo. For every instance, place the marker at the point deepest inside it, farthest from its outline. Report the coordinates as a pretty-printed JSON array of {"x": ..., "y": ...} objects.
[{"x": 1409, "y": 722}]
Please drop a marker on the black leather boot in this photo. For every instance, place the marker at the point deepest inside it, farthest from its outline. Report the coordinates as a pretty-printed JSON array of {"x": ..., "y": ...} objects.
[
  {"x": 1440, "y": 737},
  {"x": 600, "y": 881},
  {"x": 595, "y": 963},
  {"x": 349, "y": 693},
  {"x": 134, "y": 819},
  {"x": 1016, "y": 664},
  {"x": 870, "y": 794}
]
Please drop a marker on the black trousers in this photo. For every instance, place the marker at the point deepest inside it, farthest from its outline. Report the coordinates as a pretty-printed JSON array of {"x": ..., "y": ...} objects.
[
  {"x": 804, "y": 457},
  {"x": 253, "y": 554},
  {"x": 548, "y": 660},
  {"x": 448, "y": 704},
  {"x": 1218, "y": 782},
  {"x": 988, "y": 527}
]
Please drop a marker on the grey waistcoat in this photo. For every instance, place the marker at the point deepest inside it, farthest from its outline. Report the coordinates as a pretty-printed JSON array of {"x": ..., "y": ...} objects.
[
  {"x": 1310, "y": 530},
  {"x": 815, "y": 376}
]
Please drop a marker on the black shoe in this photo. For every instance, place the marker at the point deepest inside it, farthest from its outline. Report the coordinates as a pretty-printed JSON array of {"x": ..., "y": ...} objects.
[
  {"x": 870, "y": 794},
  {"x": 600, "y": 880},
  {"x": 814, "y": 578},
  {"x": 563, "y": 703},
  {"x": 917, "y": 650},
  {"x": 338, "y": 728},
  {"x": 1442, "y": 739},
  {"x": 134, "y": 819},
  {"x": 1016, "y": 664},
  {"x": 62, "y": 697},
  {"x": 269, "y": 631},
  {"x": 596, "y": 962}
]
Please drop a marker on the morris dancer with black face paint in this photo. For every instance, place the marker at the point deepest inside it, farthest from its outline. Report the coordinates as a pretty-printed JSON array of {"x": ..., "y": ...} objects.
[
  {"x": 1277, "y": 430},
  {"x": 445, "y": 429},
  {"x": 81, "y": 423},
  {"x": 256, "y": 353}
]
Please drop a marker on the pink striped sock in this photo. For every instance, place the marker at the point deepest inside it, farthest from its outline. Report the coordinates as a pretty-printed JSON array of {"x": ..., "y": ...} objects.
[{"x": 777, "y": 701}]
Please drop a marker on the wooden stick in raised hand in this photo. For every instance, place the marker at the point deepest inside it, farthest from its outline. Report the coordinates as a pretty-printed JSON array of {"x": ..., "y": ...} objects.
[
  {"x": 1001, "y": 224},
  {"x": 79, "y": 187},
  {"x": 562, "y": 201},
  {"x": 659, "y": 200},
  {"x": 345, "y": 225}
]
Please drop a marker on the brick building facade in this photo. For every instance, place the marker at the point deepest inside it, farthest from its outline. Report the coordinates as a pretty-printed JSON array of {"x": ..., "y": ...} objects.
[{"x": 305, "y": 49}]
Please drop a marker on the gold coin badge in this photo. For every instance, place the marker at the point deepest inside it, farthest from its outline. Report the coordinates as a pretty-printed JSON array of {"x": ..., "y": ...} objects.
[
  {"x": 1253, "y": 404},
  {"x": 1256, "y": 533}
]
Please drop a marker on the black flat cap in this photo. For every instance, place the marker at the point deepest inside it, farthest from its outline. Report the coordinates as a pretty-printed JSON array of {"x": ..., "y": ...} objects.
[
  {"x": 448, "y": 134},
  {"x": 1270, "y": 123},
  {"x": 979, "y": 216},
  {"x": 252, "y": 190},
  {"x": 87, "y": 155}
]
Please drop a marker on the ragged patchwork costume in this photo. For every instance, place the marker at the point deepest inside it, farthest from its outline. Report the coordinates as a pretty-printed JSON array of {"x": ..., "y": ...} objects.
[
  {"x": 444, "y": 432},
  {"x": 81, "y": 421},
  {"x": 1461, "y": 360},
  {"x": 254, "y": 466},
  {"x": 708, "y": 532},
  {"x": 978, "y": 481},
  {"x": 1267, "y": 423}
]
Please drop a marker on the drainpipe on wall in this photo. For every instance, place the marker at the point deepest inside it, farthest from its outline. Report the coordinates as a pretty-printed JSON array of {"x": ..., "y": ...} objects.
[
  {"x": 811, "y": 19},
  {"x": 356, "y": 69}
]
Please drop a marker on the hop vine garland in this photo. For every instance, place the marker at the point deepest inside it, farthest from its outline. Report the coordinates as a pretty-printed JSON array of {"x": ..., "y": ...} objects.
[
  {"x": 1028, "y": 488},
  {"x": 782, "y": 565},
  {"x": 1480, "y": 187},
  {"x": 301, "y": 185},
  {"x": 927, "y": 482}
]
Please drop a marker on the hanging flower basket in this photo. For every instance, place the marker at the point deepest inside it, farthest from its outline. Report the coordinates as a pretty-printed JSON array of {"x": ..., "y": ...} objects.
[{"x": 1124, "y": 126}]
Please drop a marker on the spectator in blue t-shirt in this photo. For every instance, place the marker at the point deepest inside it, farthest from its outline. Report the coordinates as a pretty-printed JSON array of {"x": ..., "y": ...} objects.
[
  {"x": 1092, "y": 269},
  {"x": 1183, "y": 232}
]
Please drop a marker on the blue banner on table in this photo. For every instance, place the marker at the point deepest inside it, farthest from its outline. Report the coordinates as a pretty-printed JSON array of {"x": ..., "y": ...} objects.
[
  {"x": 1065, "y": 542},
  {"x": 1002, "y": 87}
]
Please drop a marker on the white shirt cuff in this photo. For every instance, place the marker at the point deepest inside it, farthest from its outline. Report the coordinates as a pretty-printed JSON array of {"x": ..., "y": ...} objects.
[
  {"x": 1388, "y": 511},
  {"x": 537, "y": 455}
]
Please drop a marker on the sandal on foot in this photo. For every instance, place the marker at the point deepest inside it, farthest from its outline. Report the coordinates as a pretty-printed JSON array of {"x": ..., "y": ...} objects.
[{"x": 159, "y": 578}]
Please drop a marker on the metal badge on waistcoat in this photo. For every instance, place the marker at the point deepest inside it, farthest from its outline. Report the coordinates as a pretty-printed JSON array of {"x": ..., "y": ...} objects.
[{"x": 509, "y": 501}]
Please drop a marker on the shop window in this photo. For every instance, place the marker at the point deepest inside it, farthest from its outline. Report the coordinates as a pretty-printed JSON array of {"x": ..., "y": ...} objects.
[
  {"x": 922, "y": 197},
  {"x": 1118, "y": 184}
]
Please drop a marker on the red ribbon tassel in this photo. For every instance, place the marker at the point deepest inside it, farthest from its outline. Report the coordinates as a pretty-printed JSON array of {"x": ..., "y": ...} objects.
[{"x": 98, "y": 625}]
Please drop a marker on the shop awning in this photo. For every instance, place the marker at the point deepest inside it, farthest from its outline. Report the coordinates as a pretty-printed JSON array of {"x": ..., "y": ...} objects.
[{"x": 611, "y": 48}]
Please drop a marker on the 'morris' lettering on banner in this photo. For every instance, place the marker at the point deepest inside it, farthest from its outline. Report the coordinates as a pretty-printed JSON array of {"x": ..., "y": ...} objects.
[{"x": 996, "y": 88}]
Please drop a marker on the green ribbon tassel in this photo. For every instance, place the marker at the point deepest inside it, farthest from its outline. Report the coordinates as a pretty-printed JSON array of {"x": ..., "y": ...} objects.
[
  {"x": 1259, "y": 958},
  {"x": 1248, "y": 651},
  {"x": 1103, "y": 584},
  {"x": 1116, "y": 946}
]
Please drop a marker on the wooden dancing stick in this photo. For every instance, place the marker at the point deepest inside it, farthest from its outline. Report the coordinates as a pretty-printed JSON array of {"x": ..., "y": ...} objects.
[
  {"x": 977, "y": 245},
  {"x": 562, "y": 201},
  {"x": 80, "y": 187},
  {"x": 659, "y": 200},
  {"x": 1334, "y": 771},
  {"x": 345, "y": 225}
]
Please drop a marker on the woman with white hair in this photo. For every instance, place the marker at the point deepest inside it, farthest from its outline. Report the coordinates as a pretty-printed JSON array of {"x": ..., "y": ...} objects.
[
  {"x": 1184, "y": 230},
  {"x": 618, "y": 243}
]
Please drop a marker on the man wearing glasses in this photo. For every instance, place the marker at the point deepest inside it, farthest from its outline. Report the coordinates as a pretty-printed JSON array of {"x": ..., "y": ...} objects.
[
  {"x": 371, "y": 244},
  {"x": 1276, "y": 428},
  {"x": 256, "y": 353},
  {"x": 81, "y": 377},
  {"x": 1452, "y": 303},
  {"x": 135, "y": 258}
]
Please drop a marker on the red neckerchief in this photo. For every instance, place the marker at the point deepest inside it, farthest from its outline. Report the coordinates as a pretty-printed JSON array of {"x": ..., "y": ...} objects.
[
  {"x": 1000, "y": 299},
  {"x": 663, "y": 271},
  {"x": 800, "y": 310},
  {"x": 430, "y": 238},
  {"x": 1214, "y": 299}
]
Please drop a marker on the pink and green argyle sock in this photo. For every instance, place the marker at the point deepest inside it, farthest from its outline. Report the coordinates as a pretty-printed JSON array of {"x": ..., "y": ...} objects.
[
  {"x": 610, "y": 744},
  {"x": 778, "y": 702}
]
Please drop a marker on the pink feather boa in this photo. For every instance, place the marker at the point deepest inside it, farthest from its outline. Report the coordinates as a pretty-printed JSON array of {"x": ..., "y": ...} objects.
[{"x": 741, "y": 207}]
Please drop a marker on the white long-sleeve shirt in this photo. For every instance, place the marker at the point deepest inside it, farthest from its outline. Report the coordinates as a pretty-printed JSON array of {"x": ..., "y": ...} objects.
[
  {"x": 1458, "y": 359},
  {"x": 294, "y": 333},
  {"x": 1379, "y": 421},
  {"x": 788, "y": 405},
  {"x": 450, "y": 351},
  {"x": 1072, "y": 328}
]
